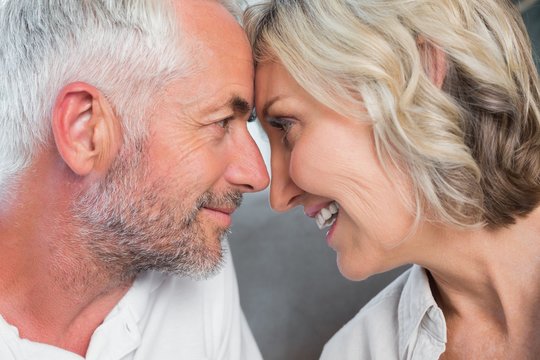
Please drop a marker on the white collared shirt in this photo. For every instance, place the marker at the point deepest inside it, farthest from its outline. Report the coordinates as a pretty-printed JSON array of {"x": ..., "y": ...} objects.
[
  {"x": 402, "y": 322},
  {"x": 160, "y": 318}
]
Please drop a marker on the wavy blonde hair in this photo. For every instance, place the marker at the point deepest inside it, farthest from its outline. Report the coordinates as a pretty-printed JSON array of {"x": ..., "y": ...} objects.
[{"x": 472, "y": 147}]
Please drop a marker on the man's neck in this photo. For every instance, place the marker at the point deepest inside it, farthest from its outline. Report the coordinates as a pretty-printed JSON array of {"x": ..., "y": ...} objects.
[
  {"x": 57, "y": 302},
  {"x": 59, "y": 320},
  {"x": 52, "y": 289}
]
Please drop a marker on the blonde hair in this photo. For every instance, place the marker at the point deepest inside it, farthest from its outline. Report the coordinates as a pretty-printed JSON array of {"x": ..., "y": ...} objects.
[{"x": 472, "y": 147}]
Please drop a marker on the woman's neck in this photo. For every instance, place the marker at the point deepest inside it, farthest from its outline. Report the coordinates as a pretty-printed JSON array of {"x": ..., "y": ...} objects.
[{"x": 485, "y": 281}]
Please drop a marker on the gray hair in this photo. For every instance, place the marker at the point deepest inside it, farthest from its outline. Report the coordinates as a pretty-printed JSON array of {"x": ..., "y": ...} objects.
[{"x": 124, "y": 48}]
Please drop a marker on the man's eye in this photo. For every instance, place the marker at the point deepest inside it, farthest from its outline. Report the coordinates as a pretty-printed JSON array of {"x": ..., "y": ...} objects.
[{"x": 225, "y": 122}]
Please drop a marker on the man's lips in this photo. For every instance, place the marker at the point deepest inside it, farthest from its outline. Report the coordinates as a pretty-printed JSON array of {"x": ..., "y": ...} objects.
[
  {"x": 222, "y": 216},
  {"x": 227, "y": 211}
]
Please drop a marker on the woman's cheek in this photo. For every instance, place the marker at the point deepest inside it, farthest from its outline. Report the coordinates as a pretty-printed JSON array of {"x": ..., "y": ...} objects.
[{"x": 312, "y": 168}]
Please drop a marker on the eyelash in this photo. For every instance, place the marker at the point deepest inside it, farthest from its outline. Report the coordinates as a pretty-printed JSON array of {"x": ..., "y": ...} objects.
[
  {"x": 225, "y": 123},
  {"x": 252, "y": 116},
  {"x": 284, "y": 125}
]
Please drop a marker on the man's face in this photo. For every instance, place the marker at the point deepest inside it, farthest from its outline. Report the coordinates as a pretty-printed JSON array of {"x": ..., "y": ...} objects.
[{"x": 166, "y": 204}]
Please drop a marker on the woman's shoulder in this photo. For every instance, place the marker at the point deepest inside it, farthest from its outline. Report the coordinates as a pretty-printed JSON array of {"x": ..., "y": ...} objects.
[{"x": 373, "y": 332}]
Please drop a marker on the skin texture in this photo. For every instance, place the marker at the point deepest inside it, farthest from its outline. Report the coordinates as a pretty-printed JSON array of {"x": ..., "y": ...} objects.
[
  {"x": 317, "y": 167},
  {"x": 484, "y": 281},
  {"x": 192, "y": 164},
  {"x": 181, "y": 183}
]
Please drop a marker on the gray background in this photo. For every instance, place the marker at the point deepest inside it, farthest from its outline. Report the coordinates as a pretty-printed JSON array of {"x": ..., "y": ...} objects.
[{"x": 291, "y": 290}]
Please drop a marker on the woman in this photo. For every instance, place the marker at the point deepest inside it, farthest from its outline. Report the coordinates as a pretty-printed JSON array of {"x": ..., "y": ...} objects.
[{"x": 412, "y": 129}]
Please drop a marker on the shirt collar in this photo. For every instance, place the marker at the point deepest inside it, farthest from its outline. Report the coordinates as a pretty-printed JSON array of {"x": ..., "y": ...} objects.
[
  {"x": 118, "y": 335},
  {"x": 124, "y": 320},
  {"x": 136, "y": 300},
  {"x": 416, "y": 304}
]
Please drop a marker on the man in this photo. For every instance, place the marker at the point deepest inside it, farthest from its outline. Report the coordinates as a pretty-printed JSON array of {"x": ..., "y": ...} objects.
[{"x": 123, "y": 153}]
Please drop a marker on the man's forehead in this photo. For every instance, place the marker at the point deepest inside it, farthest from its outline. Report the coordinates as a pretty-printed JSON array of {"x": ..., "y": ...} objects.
[
  {"x": 210, "y": 35},
  {"x": 222, "y": 75},
  {"x": 197, "y": 16}
]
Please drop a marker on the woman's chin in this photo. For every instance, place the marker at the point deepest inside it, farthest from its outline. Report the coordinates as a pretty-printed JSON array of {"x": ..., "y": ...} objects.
[
  {"x": 357, "y": 268},
  {"x": 352, "y": 270}
]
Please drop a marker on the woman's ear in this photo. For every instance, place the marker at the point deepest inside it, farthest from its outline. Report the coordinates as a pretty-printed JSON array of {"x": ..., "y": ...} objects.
[
  {"x": 86, "y": 131},
  {"x": 433, "y": 60}
]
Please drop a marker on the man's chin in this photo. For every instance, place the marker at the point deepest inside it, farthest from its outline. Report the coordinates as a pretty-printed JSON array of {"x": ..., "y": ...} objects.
[
  {"x": 210, "y": 267},
  {"x": 213, "y": 260},
  {"x": 199, "y": 263}
]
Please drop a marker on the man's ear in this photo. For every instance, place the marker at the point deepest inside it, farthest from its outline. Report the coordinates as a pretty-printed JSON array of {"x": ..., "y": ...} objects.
[
  {"x": 434, "y": 61},
  {"x": 86, "y": 130}
]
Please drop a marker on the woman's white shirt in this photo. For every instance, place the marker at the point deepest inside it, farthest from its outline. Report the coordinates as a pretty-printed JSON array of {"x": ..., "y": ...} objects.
[{"x": 402, "y": 322}]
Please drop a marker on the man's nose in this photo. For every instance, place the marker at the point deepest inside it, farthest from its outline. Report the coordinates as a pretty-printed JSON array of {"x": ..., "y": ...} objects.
[
  {"x": 283, "y": 190},
  {"x": 248, "y": 171}
]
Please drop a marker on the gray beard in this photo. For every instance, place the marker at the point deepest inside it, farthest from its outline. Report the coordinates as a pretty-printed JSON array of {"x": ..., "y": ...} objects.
[{"x": 129, "y": 226}]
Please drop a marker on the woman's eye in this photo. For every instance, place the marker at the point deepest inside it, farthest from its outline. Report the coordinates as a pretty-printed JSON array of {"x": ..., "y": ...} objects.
[{"x": 284, "y": 125}]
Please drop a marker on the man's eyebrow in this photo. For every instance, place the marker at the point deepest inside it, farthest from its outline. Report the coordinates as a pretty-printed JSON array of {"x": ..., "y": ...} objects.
[
  {"x": 240, "y": 105},
  {"x": 236, "y": 103}
]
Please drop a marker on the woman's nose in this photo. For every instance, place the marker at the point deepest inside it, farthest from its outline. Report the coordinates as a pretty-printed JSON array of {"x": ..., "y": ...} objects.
[{"x": 283, "y": 190}]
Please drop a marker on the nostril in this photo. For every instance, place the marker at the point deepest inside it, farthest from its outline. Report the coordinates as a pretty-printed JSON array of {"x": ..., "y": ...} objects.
[
  {"x": 282, "y": 202},
  {"x": 293, "y": 201}
]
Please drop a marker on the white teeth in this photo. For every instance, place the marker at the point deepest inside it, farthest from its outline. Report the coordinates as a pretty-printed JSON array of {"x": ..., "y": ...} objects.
[
  {"x": 320, "y": 221},
  {"x": 327, "y": 216}
]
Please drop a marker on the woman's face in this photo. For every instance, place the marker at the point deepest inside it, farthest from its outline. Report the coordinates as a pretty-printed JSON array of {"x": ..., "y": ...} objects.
[{"x": 322, "y": 160}]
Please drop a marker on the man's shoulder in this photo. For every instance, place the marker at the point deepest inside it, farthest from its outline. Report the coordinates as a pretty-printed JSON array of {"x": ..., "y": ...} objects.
[{"x": 372, "y": 332}]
